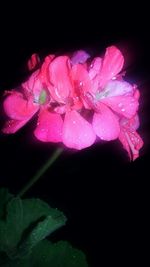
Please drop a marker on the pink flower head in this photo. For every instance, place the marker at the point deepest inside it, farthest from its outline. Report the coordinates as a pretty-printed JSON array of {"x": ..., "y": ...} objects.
[
  {"x": 77, "y": 102},
  {"x": 53, "y": 91}
]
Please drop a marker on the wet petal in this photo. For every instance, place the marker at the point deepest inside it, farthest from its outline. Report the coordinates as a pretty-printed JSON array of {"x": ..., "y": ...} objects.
[
  {"x": 118, "y": 88},
  {"x": 132, "y": 124},
  {"x": 49, "y": 127},
  {"x": 112, "y": 64},
  {"x": 132, "y": 142},
  {"x": 60, "y": 78},
  {"x": 105, "y": 124},
  {"x": 81, "y": 79},
  {"x": 95, "y": 67},
  {"x": 33, "y": 86},
  {"x": 33, "y": 61},
  {"x": 12, "y": 126},
  {"x": 17, "y": 108},
  {"x": 123, "y": 140},
  {"x": 124, "y": 105},
  {"x": 44, "y": 71},
  {"x": 77, "y": 132}
]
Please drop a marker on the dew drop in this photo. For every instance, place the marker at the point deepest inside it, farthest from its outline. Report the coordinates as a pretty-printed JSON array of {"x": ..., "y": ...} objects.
[{"x": 120, "y": 105}]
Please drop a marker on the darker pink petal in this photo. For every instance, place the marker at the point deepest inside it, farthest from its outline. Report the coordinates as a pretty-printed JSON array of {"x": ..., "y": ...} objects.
[
  {"x": 131, "y": 124},
  {"x": 33, "y": 86},
  {"x": 81, "y": 79},
  {"x": 105, "y": 124},
  {"x": 124, "y": 105},
  {"x": 112, "y": 64},
  {"x": 123, "y": 139},
  {"x": 95, "y": 67},
  {"x": 33, "y": 61},
  {"x": 44, "y": 71},
  {"x": 77, "y": 132},
  {"x": 12, "y": 126},
  {"x": 17, "y": 108},
  {"x": 60, "y": 78},
  {"x": 49, "y": 127},
  {"x": 129, "y": 138},
  {"x": 132, "y": 142}
]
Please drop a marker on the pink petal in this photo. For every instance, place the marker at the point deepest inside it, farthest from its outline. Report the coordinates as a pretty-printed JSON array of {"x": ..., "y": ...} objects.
[
  {"x": 77, "y": 132},
  {"x": 105, "y": 124},
  {"x": 33, "y": 85},
  {"x": 81, "y": 79},
  {"x": 132, "y": 142},
  {"x": 131, "y": 124},
  {"x": 44, "y": 71},
  {"x": 60, "y": 79},
  {"x": 124, "y": 105},
  {"x": 95, "y": 67},
  {"x": 135, "y": 142},
  {"x": 49, "y": 127},
  {"x": 17, "y": 108},
  {"x": 82, "y": 84},
  {"x": 12, "y": 126},
  {"x": 118, "y": 88},
  {"x": 33, "y": 61},
  {"x": 123, "y": 140},
  {"x": 112, "y": 64}
]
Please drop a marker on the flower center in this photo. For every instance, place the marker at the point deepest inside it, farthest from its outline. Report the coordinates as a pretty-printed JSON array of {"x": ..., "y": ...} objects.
[{"x": 43, "y": 97}]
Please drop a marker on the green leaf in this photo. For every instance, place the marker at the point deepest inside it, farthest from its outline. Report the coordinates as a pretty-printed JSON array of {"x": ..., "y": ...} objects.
[
  {"x": 47, "y": 254},
  {"x": 43, "y": 229},
  {"x": 23, "y": 216},
  {"x": 4, "y": 198},
  {"x": 60, "y": 254}
]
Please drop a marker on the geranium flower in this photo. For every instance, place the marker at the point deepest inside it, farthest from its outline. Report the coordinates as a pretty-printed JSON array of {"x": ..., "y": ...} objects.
[
  {"x": 66, "y": 92},
  {"x": 53, "y": 91},
  {"x": 108, "y": 96},
  {"x": 64, "y": 85},
  {"x": 20, "y": 106}
]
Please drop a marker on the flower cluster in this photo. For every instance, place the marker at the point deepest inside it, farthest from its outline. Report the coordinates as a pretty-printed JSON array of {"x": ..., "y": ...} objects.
[{"x": 77, "y": 100}]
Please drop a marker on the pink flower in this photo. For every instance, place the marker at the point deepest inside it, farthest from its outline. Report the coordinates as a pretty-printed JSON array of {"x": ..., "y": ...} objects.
[
  {"x": 109, "y": 97},
  {"x": 76, "y": 103},
  {"x": 63, "y": 86},
  {"x": 53, "y": 91},
  {"x": 21, "y": 106}
]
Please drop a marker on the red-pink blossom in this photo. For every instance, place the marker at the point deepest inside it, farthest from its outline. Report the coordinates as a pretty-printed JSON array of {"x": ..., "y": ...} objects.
[
  {"x": 53, "y": 91},
  {"x": 77, "y": 102},
  {"x": 32, "y": 97}
]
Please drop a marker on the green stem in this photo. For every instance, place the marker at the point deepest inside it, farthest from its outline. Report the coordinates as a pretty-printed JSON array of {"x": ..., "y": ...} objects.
[{"x": 40, "y": 172}]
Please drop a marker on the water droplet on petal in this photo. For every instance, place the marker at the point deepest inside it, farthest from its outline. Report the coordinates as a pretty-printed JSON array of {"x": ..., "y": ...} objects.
[{"x": 120, "y": 105}]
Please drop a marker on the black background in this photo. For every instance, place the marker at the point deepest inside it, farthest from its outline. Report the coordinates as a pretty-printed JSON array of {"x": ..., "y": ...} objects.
[{"x": 104, "y": 196}]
